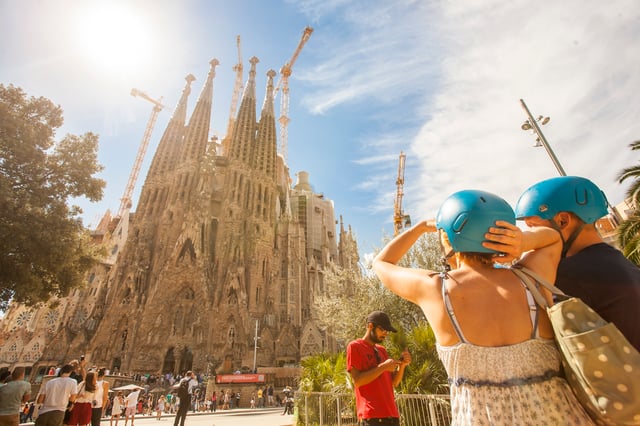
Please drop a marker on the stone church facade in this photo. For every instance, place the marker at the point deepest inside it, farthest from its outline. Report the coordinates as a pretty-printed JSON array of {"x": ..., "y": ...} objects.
[{"x": 217, "y": 269}]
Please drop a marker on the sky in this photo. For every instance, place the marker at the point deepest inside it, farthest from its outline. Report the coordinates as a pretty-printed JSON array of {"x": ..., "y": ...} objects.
[{"x": 440, "y": 81}]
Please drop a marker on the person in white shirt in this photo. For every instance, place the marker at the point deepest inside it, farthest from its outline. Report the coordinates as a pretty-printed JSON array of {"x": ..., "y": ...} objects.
[
  {"x": 55, "y": 396},
  {"x": 131, "y": 403},
  {"x": 101, "y": 397}
]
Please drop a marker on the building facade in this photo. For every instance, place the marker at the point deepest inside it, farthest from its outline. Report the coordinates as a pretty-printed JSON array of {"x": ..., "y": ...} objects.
[{"x": 217, "y": 269}]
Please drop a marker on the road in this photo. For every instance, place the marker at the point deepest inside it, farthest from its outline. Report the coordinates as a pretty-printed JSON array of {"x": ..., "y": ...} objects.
[{"x": 241, "y": 417}]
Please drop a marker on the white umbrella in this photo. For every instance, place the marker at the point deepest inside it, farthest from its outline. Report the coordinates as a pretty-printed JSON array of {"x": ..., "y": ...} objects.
[{"x": 128, "y": 387}]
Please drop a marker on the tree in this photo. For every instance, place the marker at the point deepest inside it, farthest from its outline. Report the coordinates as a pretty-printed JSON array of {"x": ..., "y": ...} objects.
[
  {"x": 629, "y": 229},
  {"x": 349, "y": 296},
  {"x": 44, "y": 248}
]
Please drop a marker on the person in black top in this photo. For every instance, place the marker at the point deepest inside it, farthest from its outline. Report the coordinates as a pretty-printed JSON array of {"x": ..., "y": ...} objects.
[
  {"x": 590, "y": 269},
  {"x": 185, "y": 400}
]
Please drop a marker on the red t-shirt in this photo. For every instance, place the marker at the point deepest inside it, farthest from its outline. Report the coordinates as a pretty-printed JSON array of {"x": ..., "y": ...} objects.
[{"x": 375, "y": 399}]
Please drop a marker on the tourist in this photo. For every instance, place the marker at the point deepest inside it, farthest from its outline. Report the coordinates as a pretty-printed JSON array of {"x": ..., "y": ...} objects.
[
  {"x": 12, "y": 396},
  {"x": 590, "y": 269},
  {"x": 82, "y": 409},
  {"x": 131, "y": 406},
  {"x": 101, "y": 398},
  {"x": 496, "y": 344},
  {"x": 374, "y": 373},
  {"x": 55, "y": 396}
]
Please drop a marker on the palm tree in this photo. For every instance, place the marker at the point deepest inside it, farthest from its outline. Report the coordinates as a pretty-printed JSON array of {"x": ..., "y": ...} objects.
[{"x": 628, "y": 231}]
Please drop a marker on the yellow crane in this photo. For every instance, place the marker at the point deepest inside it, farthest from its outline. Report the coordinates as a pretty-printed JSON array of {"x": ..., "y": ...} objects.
[
  {"x": 237, "y": 88},
  {"x": 283, "y": 84},
  {"x": 400, "y": 220},
  {"x": 125, "y": 201}
]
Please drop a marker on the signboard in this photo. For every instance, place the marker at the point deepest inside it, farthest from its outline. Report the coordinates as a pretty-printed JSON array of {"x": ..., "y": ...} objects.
[{"x": 240, "y": 378}]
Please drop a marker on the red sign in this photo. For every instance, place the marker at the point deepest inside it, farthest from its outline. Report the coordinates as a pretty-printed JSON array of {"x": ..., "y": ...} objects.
[{"x": 240, "y": 378}]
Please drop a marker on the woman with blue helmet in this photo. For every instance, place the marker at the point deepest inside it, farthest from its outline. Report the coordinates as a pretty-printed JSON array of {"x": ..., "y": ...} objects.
[{"x": 497, "y": 348}]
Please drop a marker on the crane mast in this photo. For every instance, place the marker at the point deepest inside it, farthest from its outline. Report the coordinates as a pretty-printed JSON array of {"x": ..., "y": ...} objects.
[
  {"x": 125, "y": 201},
  {"x": 237, "y": 88},
  {"x": 400, "y": 220},
  {"x": 283, "y": 84}
]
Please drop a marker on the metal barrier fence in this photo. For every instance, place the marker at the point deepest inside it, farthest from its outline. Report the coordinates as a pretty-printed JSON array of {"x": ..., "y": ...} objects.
[{"x": 333, "y": 409}]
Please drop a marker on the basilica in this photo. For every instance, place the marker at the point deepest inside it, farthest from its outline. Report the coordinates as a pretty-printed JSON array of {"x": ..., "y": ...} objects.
[{"x": 216, "y": 270}]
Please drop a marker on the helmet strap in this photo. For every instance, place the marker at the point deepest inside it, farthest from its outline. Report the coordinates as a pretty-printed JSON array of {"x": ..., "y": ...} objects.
[
  {"x": 566, "y": 244},
  {"x": 444, "y": 260}
]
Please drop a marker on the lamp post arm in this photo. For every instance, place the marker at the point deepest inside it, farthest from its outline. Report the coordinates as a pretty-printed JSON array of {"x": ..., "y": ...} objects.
[{"x": 543, "y": 140}]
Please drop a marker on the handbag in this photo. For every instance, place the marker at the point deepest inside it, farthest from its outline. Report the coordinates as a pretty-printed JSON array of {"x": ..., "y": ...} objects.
[{"x": 601, "y": 366}]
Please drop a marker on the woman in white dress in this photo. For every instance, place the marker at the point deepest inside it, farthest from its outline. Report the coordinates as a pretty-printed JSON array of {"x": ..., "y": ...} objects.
[{"x": 496, "y": 346}]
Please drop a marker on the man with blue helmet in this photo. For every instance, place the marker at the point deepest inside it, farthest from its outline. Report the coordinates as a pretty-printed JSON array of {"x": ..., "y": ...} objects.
[
  {"x": 496, "y": 345},
  {"x": 589, "y": 269}
]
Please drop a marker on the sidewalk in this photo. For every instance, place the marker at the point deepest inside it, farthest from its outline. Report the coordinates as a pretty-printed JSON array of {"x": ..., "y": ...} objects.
[{"x": 191, "y": 413}]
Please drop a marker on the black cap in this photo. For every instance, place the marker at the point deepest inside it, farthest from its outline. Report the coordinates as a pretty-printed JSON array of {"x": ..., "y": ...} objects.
[{"x": 380, "y": 319}]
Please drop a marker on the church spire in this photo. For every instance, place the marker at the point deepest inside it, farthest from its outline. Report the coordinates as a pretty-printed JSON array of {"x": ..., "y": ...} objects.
[
  {"x": 243, "y": 137},
  {"x": 197, "y": 134},
  {"x": 164, "y": 159},
  {"x": 264, "y": 156}
]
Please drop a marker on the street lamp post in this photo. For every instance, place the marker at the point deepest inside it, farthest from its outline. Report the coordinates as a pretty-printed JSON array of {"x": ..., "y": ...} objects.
[
  {"x": 255, "y": 347},
  {"x": 530, "y": 124}
]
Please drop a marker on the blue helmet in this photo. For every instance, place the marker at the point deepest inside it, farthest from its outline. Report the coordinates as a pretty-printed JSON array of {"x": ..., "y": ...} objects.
[
  {"x": 466, "y": 216},
  {"x": 573, "y": 194}
]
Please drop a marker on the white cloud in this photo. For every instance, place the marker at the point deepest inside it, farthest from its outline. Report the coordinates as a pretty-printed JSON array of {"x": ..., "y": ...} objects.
[{"x": 464, "y": 65}]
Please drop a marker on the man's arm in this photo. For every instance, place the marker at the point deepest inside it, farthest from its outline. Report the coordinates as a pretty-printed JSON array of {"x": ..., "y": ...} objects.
[
  {"x": 405, "y": 360},
  {"x": 361, "y": 378},
  {"x": 27, "y": 396}
]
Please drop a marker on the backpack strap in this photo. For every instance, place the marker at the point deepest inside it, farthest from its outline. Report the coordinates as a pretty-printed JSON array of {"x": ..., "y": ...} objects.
[
  {"x": 533, "y": 313},
  {"x": 533, "y": 281}
]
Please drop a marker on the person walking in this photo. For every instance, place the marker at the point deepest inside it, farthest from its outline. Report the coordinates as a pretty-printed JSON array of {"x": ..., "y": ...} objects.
[
  {"x": 495, "y": 343},
  {"x": 131, "y": 406},
  {"x": 160, "y": 406},
  {"x": 184, "y": 399},
  {"x": 374, "y": 374},
  {"x": 101, "y": 398},
  {"x": 589, "y": 269},
  {"x": 13, "y": 396},
  {"x": 55, "y": 396},
  {"x": 116, "y": 408},
  {"x": 82, "y": 409}
]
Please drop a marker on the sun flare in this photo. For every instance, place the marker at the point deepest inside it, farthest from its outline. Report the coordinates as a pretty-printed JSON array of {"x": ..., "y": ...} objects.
[{"x": 114, "y": 37}]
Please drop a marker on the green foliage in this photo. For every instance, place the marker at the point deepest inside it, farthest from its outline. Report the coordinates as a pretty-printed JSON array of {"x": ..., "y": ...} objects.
[
  {"x": 628, "y": 238},
  {"x": 44, "y": 249},
  {"x": 324, "y": 373},
  {"x": 348, "y": 298}
]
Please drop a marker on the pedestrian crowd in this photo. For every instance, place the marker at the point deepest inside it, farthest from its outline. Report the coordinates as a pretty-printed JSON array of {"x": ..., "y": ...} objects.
[{"x": 76, "y": 395}]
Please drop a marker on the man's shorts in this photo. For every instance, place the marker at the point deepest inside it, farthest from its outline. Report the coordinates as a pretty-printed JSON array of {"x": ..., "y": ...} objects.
[{"x": 130, "y": 411}]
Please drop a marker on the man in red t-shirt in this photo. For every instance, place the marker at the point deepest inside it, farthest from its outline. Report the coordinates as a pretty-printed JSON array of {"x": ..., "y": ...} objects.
[{"x": 374, "y": 374}]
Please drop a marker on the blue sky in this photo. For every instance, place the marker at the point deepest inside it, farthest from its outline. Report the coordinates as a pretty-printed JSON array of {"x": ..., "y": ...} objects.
[{"x": 439, "y": 80}]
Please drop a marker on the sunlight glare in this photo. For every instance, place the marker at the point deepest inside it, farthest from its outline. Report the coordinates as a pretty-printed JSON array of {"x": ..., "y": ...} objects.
[{"x": 114, "y": 37}]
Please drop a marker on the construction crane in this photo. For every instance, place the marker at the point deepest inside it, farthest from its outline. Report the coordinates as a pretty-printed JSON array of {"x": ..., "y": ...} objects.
[
  {"x": 237, "y": 88},
  {"x": 125, "y": 201},
  {"x": 400, "y": 220},
  {"x": 283, "y": 84}
]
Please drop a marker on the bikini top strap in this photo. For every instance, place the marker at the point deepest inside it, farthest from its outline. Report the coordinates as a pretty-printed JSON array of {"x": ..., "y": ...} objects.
[
  {"x": 449, "y": 307},
  {"x": 533, "y": 311}
]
